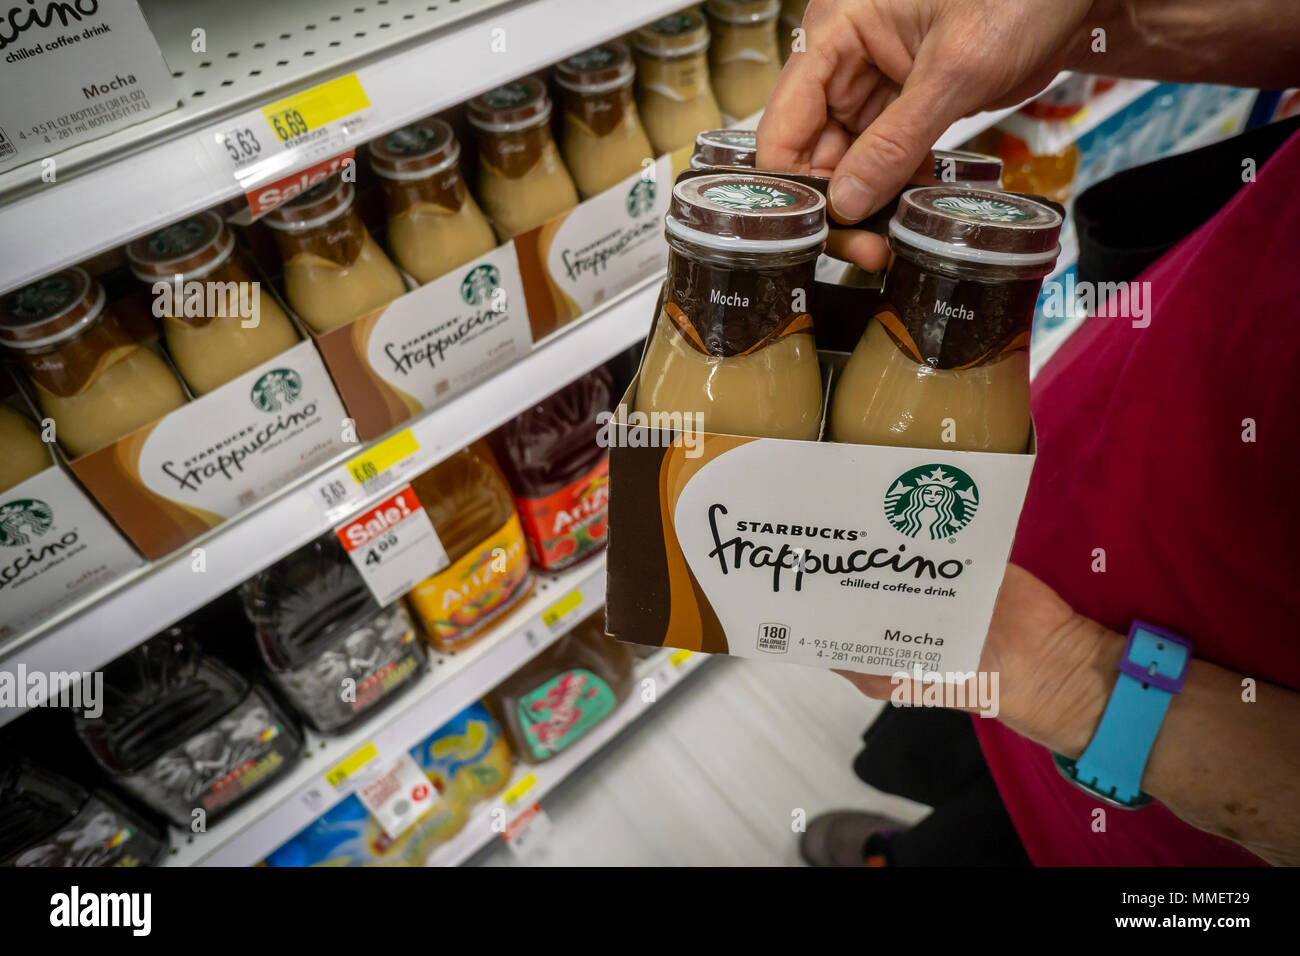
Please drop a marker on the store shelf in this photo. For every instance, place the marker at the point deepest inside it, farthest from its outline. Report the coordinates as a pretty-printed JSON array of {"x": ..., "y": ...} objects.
[
  {"x": 141, "y": 178},
  {"x": 110, "y": 622},
  {"x": 667, "y": 669},
  {"x": 452, "y": 682},
  {"x": 969, "y": 127},
  {"x": 1227, "y": 121},
  {"x": 1045, "y": 137}
]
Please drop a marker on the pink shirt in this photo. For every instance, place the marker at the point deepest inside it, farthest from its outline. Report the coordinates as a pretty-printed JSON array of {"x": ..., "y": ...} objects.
[{"x": 1141, "y": 453}]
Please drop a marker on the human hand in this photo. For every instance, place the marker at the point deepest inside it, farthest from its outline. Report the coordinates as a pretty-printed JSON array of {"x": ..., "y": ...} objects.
[
  {"x": 880, "y": 80},
  {"x": 1055, "y": 668}
]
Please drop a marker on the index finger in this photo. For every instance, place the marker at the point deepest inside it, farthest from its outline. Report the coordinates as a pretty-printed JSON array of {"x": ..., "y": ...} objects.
[{"x": 795, "y": 116}]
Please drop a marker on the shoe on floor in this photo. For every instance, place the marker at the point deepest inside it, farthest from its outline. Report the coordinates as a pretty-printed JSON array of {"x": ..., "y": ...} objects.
[{"x": 839, "y": 838}]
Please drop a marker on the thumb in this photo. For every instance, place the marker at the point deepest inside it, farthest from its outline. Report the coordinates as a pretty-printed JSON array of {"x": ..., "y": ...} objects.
[{"x": 883, "y": 157}]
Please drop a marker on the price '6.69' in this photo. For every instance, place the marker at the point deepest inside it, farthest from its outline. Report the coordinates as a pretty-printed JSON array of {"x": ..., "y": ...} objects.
[{"x": 288, "y": 124}]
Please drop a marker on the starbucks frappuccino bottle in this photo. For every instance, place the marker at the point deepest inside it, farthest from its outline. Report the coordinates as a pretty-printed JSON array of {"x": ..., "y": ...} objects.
[
  {"x": 90, "y": 376},
  {"x": 733, "y": 340},
  {"x": 434, "y": 224},
  {"x": 743, "y": 58},
  {"x": 603, "y": 140},
  {"x": 673, "y": 80},
  {"x": 521, "y": 179},
  {"x": 945, "y": 361},
  {"x": 25, "y": 454},
  {"x": 791, "y": 19},
  {"x": 725, "y": 147},
  {"x": 334, "y": 271},
  {"x": 208, "y": 334}
]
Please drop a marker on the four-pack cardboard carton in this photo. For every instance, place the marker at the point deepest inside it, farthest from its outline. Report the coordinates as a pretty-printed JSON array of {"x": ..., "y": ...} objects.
[
  {"x": 55, "y": 548},
  {"x": 73, "y": 72},
  {"x": 865, "y": 558}
]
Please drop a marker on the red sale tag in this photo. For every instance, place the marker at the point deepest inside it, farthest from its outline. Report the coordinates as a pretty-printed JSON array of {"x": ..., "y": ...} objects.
[
  {"x": 266, "y": 197},
  {"x": 393, "y": 545}
]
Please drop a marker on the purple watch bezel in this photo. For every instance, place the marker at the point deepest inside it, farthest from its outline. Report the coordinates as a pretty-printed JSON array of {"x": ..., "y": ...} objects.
[{"x": 1172, "y": 685}]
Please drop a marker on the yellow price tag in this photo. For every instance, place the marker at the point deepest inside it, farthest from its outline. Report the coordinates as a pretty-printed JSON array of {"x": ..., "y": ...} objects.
[
  {"x": 311, "y": 109},
  {"x": 375, "y": 461},
  {"x": 680, "y": 657},
  {"x": 561, "y": 607},
  {"x": 351, "y": 764},
  {"x": 519, "y": 790}
]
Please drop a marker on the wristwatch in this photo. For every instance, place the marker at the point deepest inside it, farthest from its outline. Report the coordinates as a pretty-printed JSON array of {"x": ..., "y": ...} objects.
[{"x": 1151, "y": 670}]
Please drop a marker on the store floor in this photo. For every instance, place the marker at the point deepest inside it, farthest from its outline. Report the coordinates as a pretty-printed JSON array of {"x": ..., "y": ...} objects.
[{"x": 714, "y": 774}]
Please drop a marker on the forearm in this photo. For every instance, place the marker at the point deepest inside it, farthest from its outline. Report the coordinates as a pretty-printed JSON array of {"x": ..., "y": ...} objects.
[
  {"x": 1236, "y": 42},
  {"x": 1222, "y": 764}
]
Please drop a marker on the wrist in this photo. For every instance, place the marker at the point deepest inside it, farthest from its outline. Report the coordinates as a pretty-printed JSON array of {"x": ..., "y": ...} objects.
[{"x": 1080, "y": 667}]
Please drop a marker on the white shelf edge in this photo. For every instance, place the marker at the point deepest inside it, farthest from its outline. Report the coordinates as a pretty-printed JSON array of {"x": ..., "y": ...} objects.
[
  {"x": 478, "y": 832},
  {"x": 115, "y": 619},
  {"x": 451, "y": 683}
]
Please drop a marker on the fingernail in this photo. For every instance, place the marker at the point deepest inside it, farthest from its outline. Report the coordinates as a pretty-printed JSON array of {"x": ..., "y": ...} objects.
[{"x": 850, "y": 199}]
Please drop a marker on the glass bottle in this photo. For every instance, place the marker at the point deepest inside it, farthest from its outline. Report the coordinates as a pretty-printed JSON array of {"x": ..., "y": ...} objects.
[
  {"x": 743, "y": 58},
  {"x": 207, "y": 335},
  {"x": 673, "y": 80},
  {"x": 733, "y": 340},
  {"x": 334, "y": 271},
  {"x": 434, "y": 224},
  {"x": 945, "y": 361}
]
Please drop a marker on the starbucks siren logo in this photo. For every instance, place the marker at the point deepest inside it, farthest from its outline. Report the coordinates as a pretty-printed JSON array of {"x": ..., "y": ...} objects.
[
  {"x": 480, "y": 283},
  {"x": 938, "y": 500},
  {"x": 593, "y": 59},
  {"x": 410, "y": 141},
  {"x": 177, "y": 238},
  {"x": 41, "y": 298},
  {"x": 743, "y": 140},
  {"x": 748, "y": 196},
  {"x": 23, "y": 519},
  {"x": 504, "y": 97},
  {"x": 641, "y": 199},
  {"x": 278, "y": 387},
  {"x": 985, "y": 210}
]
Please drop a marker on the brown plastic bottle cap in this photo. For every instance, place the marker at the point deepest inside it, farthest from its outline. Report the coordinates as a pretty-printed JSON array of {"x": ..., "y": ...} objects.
[
  {"x": 959, "y": 167},
  {"x": 415, "y": 152},
  {"x": 50, "y": 310},
  {"x": 725, "y": 147},
  {"x": 977, "y": 225},
  {"x": 323, "y": 202},
  {"x": 679, "y": 34},
  {"x": 522, "y": 104},
  {"x": 736, "y": 212},
  {"x": 743, "y": 11},
  {"x": 598, "y": 70},
  {"x": 190, "y": 248}
]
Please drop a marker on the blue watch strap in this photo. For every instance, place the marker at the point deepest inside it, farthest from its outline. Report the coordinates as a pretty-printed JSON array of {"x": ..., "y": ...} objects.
[{"x": 1152, "y": 669}]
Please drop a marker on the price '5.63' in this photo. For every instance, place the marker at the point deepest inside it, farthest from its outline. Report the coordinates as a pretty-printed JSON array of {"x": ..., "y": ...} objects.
[
  {"x": 242, "y": 145},
  {"x": 288, "y": 124}
]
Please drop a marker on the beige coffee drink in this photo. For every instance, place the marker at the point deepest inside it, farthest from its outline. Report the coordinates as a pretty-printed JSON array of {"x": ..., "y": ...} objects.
[
  {"x": 208, "y": 291},
  {"x": 743, "y": 57},
  {"x": 733, "y": 340},
  {"x": 434, "y": 224},
  {"x": 791, "y": 19},
  {"x": 25, "y": 455},
  {"x": 673, "y": 88},
  {"x": 334, "y": 271},
  {"x": 521, "y": 178},
  {"x": 725, "y": 147},
  {"x": 90, "y": 376},
  {"x": 945, "y": 363},
  {"x": 603, "y": 140}
]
